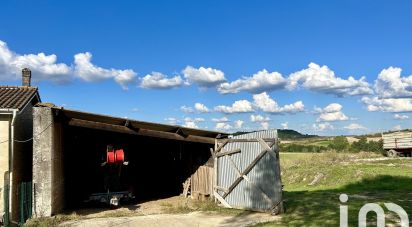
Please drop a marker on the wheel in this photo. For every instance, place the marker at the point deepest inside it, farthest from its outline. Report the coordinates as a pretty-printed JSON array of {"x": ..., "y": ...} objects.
[{"x": 392, "y": 153}]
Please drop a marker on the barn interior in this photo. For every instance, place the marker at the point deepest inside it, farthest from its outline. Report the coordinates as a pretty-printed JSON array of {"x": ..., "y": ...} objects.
[
  {"x": 159, "y": 157},
  {"x": 156, "y": 167}
]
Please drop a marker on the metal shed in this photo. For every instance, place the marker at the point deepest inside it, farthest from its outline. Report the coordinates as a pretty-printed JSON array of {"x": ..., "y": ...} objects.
[{"x": 247, "y": 172}]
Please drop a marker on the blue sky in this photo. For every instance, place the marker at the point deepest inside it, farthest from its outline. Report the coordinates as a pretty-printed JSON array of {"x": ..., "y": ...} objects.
[{"x": 147, "y": 60}]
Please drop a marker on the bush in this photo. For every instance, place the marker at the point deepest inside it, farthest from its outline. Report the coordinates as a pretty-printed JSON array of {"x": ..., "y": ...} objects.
[
  {"x": 339, "y": 143},
  {"x": 360, "y": 145},
  {"x": 301, "y": 148},
  {"x": 364, "y": 145}
]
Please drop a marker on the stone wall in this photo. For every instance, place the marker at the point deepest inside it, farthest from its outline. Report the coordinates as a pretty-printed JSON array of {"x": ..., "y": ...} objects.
[{"x": 48, "y": 176}]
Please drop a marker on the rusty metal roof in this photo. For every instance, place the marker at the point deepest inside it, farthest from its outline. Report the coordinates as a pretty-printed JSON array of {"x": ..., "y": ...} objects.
[{"x": 16, "y": 97}]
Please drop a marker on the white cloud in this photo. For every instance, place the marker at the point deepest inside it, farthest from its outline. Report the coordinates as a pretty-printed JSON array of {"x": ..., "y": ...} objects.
[
  {"x": 197, "y": 119},
  {"x": 43, "y": 67},
  {"x": 158, "y": 80},
  {"x": 322, "y": 79},
  {"x": 265, "y": 103},
  {"x": 397, "y": 128},
  {"x": 240, "y": 106},
  {"x": 259, "y": 82},
  {"x": 223, "y": 126},
  {"x": 171, "y": 120},
  {"x": 201, "y": 108},
  {"x": 400, "y": 117},
  {"x": 222, "y": 119},
  {"x": 285, "y": 125},
  {"x": 186, "y": 109},
  {"x": 334, "y": 116},
  {"x": 390, "y": 84},
  {"x": 190, "y": 124},
  {"x": 87, "y": 71},
  {"x": 388, "y": 105},
  {"x": 331, "y": 112},
  {"x": 204, "y": 77},
  {"x": 322, "y": 126},
  {"x": 355, "y": 126},
  {"x": 333, "y": 107},
  {"x": 135, "y": 110},
  {"x": 264, "y": 125},
  {"x": 239, "y": 124},
  {"x": 258, "y": 118}
]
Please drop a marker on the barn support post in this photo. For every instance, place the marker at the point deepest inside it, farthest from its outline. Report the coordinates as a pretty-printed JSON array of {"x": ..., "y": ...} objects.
[{"x": 47, "y": 158}]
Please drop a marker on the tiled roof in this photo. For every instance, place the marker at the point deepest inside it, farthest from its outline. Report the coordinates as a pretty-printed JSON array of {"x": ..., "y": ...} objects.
[{"x": 16, "y": 97}]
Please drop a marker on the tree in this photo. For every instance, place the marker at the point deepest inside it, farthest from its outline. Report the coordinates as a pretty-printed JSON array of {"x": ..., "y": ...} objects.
[
  {"x": 361, "y": 145},
  {"x": 339, "y": 143}
]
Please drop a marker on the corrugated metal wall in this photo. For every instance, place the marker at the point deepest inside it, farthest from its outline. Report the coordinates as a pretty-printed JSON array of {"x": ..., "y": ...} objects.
[{"x": 265, "y": 175}]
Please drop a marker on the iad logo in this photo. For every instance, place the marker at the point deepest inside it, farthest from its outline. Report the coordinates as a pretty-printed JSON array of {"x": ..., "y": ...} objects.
[{"x": 380, "y": 213}]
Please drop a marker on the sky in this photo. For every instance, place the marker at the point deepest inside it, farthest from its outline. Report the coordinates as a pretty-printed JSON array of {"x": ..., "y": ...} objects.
[{"x": 318, "y": 67}]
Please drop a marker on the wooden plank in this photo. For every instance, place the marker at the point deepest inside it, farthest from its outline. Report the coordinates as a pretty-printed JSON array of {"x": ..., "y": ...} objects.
[
  {"x": 245, "y": 172},
  {"x": 212, "y": 153},
  {"x": 228, "y": 152},
  {"x": 140, "y": 131},
  {"x": 186, "y": 186},
  {"x": 202, "y": 180},
  {"x": 267, "y": 148},
  {"x": 215, "y": 172},
  {"x": 225, "y": 141},
  {"x": 251, "y": 182},
  {"x": 220, "y": 188},
  {"x": 221, "y": 200}
]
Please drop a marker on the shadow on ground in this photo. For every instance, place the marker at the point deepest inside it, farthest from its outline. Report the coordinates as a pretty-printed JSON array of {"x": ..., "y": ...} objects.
[{"x": 321, "y": 207}]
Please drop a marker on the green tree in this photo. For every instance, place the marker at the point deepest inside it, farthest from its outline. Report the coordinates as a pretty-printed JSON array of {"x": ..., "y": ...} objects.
[
  {"x": 339, "y": 143},
  {"x": 360, "y": 145}
]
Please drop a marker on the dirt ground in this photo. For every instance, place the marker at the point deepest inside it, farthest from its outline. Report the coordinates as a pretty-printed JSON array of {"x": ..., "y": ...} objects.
[
  {"x": 178, "y": 220},
  {"x": 175, "y": 211}
]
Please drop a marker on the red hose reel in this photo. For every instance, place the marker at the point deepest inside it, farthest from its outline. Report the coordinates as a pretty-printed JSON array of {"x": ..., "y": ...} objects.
[{"x": 115, "y": 156}]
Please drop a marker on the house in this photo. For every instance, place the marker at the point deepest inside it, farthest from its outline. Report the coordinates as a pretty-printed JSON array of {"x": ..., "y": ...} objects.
[{"x": 16, "y": 145}]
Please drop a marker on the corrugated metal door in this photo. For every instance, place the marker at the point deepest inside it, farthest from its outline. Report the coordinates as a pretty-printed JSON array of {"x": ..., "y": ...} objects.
[{"x": 248, "y": 173}]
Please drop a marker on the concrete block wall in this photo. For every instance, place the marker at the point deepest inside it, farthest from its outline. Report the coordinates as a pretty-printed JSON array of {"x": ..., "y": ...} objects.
[
  {"x": 48, "y": 179},
  {"x": 42, "y": 149}
]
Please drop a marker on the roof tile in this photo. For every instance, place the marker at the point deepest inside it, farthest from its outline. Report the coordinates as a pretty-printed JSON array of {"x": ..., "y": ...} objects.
[{"x": 16, "y": 97}]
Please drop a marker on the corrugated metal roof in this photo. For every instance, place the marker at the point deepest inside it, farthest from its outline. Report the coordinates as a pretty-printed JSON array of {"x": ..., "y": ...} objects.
[{"x": 16, "y": 97}]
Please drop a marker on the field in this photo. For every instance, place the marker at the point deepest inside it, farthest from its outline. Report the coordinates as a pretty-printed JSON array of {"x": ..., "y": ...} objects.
[{"x": 313, "y": 183}]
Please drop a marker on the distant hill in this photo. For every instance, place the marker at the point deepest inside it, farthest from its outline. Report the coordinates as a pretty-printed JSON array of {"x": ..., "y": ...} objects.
[{"x": 286, "y": 134}]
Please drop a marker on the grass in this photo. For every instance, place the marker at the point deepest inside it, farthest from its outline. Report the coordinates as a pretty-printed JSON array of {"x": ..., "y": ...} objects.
[
  {"x": 310, "y": 202},
  {"x": 51, "y": 221},
  {"x": 208, "y": 206},
  {"x": 363, "y": 181}
]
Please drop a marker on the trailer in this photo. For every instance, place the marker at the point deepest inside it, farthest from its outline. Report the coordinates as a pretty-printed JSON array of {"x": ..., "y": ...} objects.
[{"x": 398, "y": 143}]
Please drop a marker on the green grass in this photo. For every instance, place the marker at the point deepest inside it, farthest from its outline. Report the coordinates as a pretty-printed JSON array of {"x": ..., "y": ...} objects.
[
  {"x": 364, "y": 182},
  {"x": 207, "y": 206}
]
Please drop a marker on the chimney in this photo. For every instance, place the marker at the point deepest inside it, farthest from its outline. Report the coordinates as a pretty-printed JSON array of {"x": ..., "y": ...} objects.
[{"x": 26, "y": 77}]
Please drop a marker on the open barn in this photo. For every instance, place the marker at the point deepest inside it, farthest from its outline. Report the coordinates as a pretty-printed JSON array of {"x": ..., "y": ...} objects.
[{"x": 71, "y": 165}]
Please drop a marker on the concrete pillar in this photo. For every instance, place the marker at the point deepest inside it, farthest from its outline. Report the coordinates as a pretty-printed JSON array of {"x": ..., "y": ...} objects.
[
  {"x": 42, "y": 161},
  {"x": 48, "y": 178}
]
